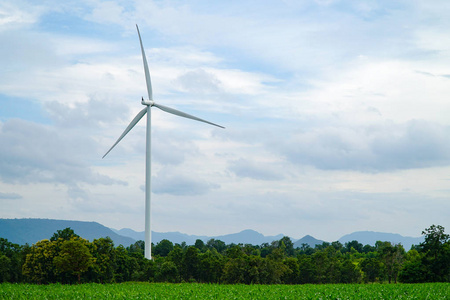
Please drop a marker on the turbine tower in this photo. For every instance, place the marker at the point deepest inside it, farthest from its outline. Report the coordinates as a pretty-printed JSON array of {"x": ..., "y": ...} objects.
[{"x": 147, "y": 110}]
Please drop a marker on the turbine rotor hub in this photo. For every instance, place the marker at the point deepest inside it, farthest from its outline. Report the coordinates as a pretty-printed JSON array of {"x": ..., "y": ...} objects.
[{"x": 147, "y": 102}]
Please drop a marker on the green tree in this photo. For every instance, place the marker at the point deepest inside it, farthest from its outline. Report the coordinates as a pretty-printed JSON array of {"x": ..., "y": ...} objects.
[
  {"x": 190, "y": 264},
  {"x": 292, "y": 274},
  {"x": 287, "y": 245},
  {"x": 200, "y": 245},
  {"x": 253, "y": 267},
  {"x": 308, "y": 272},
  {"x": 321, "y": 264},
  {"x": 219, "y": 245},
  {"x": 176, "y": 256},
  {"x": 126, "y": 265},
  {"x": 235, "y": 251},
  {"x": 371, "y": 267},
  {"x": 355, "y": 245},
  {"x": 38, "y": 266},
  {"x": 65, "y": 234},
  {"x": 266, "y": 249},
  {"x": 74, "y": 257},
  {"x": 306, "y": 249},
  {"x": 349, "y": 272},
  {"x": 234, "y": 271},
  {"x": 10, "y": 261},
  {"x": 211, "y": 266},
  {"x": 163, "y": 248},
  {"x": 104, "y": 253},
  {"x": 138, "y": 247},
  {"x": 148, "y": 269},
  {"x": 322, "y": 246},
  {"x": 413, "y": 271},
  {"x": 272, "y": 268},
  {"x": 5, "y": 265},
  {"x": 168, "y": 272},
  {"x": 392, "y": 257},
  {"x": 368, "y": 249},
  {"x": 435, "y": 238},
  {"x": 247, "y": 269},
  {"x": 249, "y": 249},
  {"x": 337, "y": 245},
  {"x": 436, "y": 248}
]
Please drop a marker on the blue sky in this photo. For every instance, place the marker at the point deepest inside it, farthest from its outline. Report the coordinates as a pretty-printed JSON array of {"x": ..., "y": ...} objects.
[{"x": 336, "y": 114}]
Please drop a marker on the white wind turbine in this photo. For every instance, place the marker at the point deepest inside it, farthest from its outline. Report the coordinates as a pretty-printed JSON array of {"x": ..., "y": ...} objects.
[{"x": 147, "y": 110}]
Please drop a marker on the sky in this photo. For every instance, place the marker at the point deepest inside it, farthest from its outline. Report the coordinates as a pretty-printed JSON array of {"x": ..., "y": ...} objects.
[{"x": 337, "y": 114}]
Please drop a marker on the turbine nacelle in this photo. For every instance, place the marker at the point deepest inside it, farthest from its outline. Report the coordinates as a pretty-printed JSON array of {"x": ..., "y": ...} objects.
[{"x": 147, "y": 102}]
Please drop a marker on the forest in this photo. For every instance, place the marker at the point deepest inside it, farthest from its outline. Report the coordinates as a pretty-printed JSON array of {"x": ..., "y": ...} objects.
[{"x": 67, "y": 258}]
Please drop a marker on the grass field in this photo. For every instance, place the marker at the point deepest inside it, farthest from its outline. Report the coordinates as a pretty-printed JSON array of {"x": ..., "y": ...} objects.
[{"x": 213, "y": 291}]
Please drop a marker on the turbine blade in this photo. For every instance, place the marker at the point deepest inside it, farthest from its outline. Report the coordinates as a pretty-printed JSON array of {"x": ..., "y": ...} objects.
[
  {"x": 182, "y": 114},
  {"x": 147, "y": 73},
  {"x": 133, "y": 122}
]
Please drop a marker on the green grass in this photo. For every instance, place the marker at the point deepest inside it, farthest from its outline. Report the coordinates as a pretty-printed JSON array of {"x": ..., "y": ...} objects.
[{"x": 134, "y": 290}]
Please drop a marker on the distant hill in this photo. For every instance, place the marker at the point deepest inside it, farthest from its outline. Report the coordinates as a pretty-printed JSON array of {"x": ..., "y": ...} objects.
[
  {"x": 371, "y": 237},
  {"x": 22, "y": 231},
  {"x": 174, "y": 237},
  {"x": 307, "y": 239},
  {"x": 245, "y": 237},
  {"x": 248, "y": 236}
]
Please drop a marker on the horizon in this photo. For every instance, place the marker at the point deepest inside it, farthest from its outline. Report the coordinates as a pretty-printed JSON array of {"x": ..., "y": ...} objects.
[
  {"x": 336, "y": 115},
  {"x": 294, "y": 239}
]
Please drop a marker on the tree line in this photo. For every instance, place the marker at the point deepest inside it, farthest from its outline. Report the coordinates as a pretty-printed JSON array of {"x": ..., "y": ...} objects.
[{"x": 68, "y": 258}]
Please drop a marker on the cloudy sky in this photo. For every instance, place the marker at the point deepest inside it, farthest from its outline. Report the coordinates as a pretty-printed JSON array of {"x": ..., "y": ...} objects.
[{"x": 337, "y": 114}]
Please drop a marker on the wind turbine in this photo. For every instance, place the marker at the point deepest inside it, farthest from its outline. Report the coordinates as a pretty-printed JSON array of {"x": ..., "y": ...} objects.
[{"x": 147, "y": 110}]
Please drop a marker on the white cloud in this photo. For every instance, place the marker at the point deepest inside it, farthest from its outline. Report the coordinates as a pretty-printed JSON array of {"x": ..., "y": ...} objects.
[
  {"x": 40, "y": 153},
  {"x": 336, "y": 114},
  {"x": 15, "y": 14},
  {"x": 416, "y": 144},
  {"x": 106, "y": 12},
  {"x": 10, "y": 196},
  {"x": 181, "y": 185},
  {"x": 257, "y": 169}
]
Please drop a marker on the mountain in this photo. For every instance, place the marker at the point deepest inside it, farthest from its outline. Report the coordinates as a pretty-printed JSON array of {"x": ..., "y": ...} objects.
[
  {"x": 371, "y": 237},
  {"x": 131, "y": 233},
  {"x": 245, "y": 237},
  {"x": 307, "y": 239},
  {"x": 248, "y": 236},
  {"x": 22, "y": 231},
  {"x": 174, "y": 237},
  {"x": 30, "y": 231}
]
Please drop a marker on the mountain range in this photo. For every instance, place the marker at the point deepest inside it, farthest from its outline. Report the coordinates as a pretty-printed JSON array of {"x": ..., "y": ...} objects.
[
  {"x": 309, "y": 240},
  {"x": 244, "y": 237},
  {"x": 371, "y": 237},
  {"x": 30, "y": 231},
  {"x": 22, "y": 231}
]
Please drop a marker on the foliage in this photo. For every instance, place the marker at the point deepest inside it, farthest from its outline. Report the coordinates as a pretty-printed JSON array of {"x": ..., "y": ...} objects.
[
  {"x": 104, "y": 266},
  {"x": 39, "y": 266},
  {"x": 65, "y": 234},
  {"x": 11, "y": 257},
  {"x": 74, "y": 257},
  {"x": 67, "y": 258},
  {"x": 436, "y": 249},
  {"x": 163, "y": 248}
]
